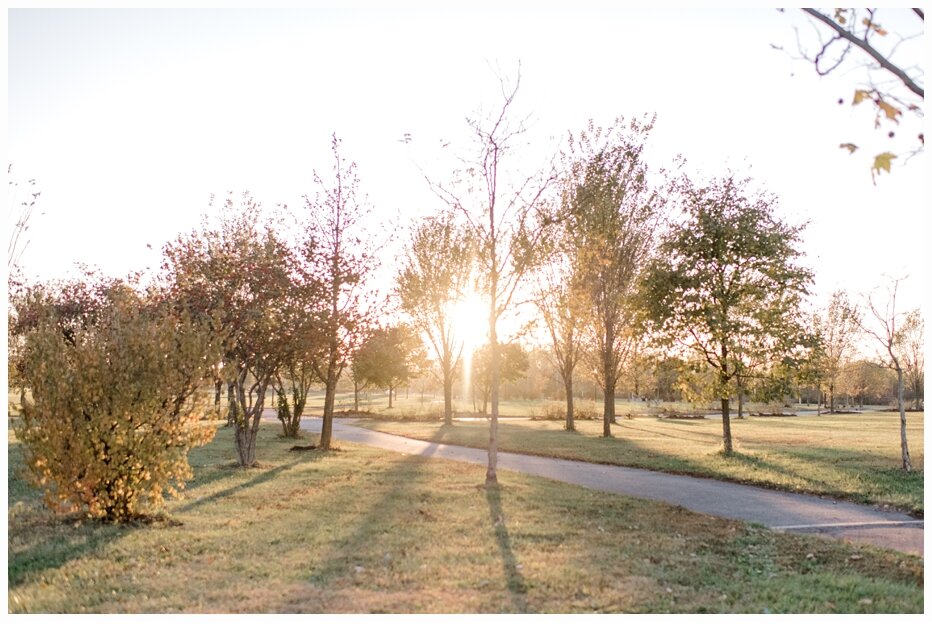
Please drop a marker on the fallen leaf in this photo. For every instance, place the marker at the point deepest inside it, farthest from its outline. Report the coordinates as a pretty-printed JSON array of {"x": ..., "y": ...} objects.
[{"x": 850, "y": 146}]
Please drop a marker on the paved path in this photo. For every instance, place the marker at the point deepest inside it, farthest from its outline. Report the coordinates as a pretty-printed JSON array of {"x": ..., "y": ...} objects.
[{"x": 790, "y": 512}]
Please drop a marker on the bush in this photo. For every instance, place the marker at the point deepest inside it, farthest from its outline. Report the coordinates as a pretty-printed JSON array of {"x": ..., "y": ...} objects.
[{"x": 112, "y": 416}]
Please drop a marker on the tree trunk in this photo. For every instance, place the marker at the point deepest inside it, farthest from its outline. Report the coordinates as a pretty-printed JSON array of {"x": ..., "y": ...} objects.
[
  {"x": 355, "y": 396},
  {"x": 218, "y": 388},
  {"x": 608, "y": 410},
  {"x": 447, "y": 396},
  {"x": 831, "y": 398},
  {"x": 904, "y": 447},
  {"x": 326, "y": 425},
  {"x": 570, "y": 418},
  {"x": 740, "y": 403},
  {"x": 491, "y": 473},
  {"x": 609, "y": 379},
  {"x": 390, "y": 392},
  {"x": 726, "y": 427},
  {"x": 247, "y": 429},
  {"x": 232, "y": 412},
  {"x": 246, "y": 444}
]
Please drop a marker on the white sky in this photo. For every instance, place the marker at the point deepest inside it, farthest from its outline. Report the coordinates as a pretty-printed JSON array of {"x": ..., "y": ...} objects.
[{"x": 129, "y": 120}]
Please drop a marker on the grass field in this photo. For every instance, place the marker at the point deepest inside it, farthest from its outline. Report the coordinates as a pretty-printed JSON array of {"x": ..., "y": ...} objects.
[
  {"x": 847, "y": 456},
  {"x": 363, "y": 530}
]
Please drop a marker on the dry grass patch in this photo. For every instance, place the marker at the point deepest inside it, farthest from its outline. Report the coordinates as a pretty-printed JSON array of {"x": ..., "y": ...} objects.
[{"x": 363, "y": 530}]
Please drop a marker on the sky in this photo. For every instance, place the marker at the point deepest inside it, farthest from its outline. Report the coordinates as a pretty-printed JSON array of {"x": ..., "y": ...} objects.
[{"x": 129, "y": 120}]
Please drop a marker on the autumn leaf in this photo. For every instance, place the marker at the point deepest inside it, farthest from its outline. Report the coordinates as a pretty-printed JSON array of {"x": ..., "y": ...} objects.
[
  {"x": 860, "y": 95},
  {"x": 850, "y": 146},
  {"x": 889, "y": 110},
  {"x": 876, "y": 27},
  {"x": 882, "y": 162}
]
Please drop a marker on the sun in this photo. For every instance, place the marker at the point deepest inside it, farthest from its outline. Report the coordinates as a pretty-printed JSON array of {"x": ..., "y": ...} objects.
[{"x": 470, "y": 316}]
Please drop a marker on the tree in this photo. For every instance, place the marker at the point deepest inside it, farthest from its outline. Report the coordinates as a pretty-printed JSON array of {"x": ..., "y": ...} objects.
[
  {"x": 612, "y": 212},
  {"x": 891, "y": 83},
  {"x": 561, "y": 303},
  {"x": 887, "y": 331},
  {"x": 837, "y": 332},
  {"x": 911, "y": 349},
  {"x": 726, "y": 283},
  {"x": 343, "y": 263},
  {"x": 435, "y": 273},
  {"x": 513, "y": 364},
  {"x": 386, "y": 358},
  {"x": 304, "y": 313},
  {"x": 509, "y": 218},
  {"x": 864, "y": 380},
  {"x": 114, "y": 411},
  {"x": 240, "y": 276}
]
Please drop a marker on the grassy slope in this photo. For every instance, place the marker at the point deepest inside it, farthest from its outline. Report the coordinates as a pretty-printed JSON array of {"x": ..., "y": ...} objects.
[
  {"x": 847, "y": 456},
  {"x": 364, "y": 530}
]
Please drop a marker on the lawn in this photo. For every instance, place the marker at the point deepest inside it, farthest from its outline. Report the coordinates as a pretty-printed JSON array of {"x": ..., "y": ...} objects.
[
  {"x": 848, "y": 456},
  {"x": 364, "y": 530}
]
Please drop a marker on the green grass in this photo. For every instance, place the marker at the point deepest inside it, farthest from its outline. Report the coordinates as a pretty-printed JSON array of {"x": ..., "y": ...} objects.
[
  {"x": 413, "y": 405},
  {"x": 853, "y": 457},
  {"x": 364, "y": 530}
]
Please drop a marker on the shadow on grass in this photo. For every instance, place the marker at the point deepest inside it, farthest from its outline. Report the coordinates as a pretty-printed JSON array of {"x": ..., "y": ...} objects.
[
  {"x": 61, "y": 542},
  {"x": 358, "y": 548},
  {"x": 357, "y": 556},
  {"x": 513, "y": 577},
  {"x": 262, "y": 478},
  {"x": 53, "y": 540}
]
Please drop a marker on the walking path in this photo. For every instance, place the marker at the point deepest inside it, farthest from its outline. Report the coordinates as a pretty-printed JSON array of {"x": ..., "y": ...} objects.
[{"x": 779, "y": 510}]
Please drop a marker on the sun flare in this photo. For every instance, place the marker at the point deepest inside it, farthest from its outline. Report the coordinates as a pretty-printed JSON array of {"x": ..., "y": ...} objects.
[{"x": 470, "y": 322}]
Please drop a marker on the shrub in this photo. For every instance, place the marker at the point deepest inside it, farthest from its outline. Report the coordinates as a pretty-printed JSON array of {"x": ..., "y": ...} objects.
[{"x": 113, "y": 415}]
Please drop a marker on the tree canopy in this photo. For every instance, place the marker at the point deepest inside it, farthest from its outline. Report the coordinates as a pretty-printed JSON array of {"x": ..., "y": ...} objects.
[{"x": 726, "y": 284}]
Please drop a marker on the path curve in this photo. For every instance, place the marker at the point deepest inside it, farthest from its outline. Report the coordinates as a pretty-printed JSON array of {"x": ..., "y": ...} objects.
[{"x": 779, "y": 510}]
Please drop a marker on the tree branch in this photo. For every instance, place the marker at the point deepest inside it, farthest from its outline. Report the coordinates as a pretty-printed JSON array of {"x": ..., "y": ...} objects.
[{"x": 870, "y": 50}]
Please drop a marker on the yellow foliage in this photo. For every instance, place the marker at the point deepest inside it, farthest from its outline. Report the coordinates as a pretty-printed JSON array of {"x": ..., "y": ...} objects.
[{"x": 112, "y": 417}]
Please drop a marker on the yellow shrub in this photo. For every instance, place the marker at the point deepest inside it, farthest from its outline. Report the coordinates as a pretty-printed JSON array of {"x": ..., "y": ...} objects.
[{"x": 112, "y": 417}]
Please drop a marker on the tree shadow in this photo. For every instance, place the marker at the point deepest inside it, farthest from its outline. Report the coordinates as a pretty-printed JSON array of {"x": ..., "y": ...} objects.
[
  {"x": 261, "y": 478},
  {"x": 59, "y": 543},
  {"x": 513, "y": 577},
  {"x": 357, "y": 556},
  {"x": 355, "y": 548}
]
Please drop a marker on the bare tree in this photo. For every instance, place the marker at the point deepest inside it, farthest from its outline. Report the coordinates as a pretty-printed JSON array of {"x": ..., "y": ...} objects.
[
  {"x": 508, "y": 216},
  {"x": 887, "y": 330}
]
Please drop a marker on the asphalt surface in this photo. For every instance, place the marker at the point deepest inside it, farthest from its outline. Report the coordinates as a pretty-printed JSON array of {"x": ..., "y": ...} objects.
[{"x": 779, "y": 510}]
